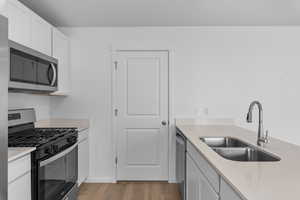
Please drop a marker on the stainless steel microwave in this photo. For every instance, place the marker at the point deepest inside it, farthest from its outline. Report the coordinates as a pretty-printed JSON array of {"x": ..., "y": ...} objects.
[{"x": 31, "y": 70}]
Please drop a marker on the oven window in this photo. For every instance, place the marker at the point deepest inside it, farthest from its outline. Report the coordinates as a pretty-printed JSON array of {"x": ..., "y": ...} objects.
[{"x": 57, "y": 177}]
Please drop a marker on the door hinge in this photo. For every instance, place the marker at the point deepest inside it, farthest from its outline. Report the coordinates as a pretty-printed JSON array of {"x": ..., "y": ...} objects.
[
  {"x": 116, "y": 112},
  {"x": 116, "y": 160},
  {"x": 116, "y": 65}
]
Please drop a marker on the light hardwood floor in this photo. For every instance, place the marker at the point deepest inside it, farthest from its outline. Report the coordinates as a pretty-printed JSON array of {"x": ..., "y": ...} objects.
[{"x": 129, "y": 191}]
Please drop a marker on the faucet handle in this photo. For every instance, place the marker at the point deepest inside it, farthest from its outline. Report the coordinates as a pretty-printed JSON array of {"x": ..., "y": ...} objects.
[{"x": 267, "y": 138}]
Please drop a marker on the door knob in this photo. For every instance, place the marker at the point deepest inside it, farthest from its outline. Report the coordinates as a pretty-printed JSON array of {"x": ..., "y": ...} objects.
[{"x": 164, "y": 123}]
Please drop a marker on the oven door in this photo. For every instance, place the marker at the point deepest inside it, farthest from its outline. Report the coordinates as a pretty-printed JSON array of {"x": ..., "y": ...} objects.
[{"x": 58, "y": 174}]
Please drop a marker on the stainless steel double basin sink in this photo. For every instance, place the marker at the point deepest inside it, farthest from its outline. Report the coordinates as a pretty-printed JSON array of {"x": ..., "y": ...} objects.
[{"x": 237, "y": 150}]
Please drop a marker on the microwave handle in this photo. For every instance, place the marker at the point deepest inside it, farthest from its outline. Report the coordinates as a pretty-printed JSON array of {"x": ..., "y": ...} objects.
[
  {"x": 57, "y": 156},
  {"x": 54, "y": 75}
]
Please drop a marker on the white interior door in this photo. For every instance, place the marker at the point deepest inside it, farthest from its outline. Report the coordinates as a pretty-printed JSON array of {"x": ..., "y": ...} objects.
[{"x": 141, "y": 98}]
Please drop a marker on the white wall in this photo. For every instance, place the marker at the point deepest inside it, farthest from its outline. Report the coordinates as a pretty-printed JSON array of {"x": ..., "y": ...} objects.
[
  {"x": 39, "y": 102},
  {"x": 219, "y": 68}
]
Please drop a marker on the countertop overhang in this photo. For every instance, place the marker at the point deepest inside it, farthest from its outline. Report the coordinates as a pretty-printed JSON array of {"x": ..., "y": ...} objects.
[{"x": 251, "y": 180}]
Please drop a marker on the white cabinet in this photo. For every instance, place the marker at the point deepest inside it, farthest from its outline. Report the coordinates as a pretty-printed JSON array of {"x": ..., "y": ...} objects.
[
  {"x": 198, "y": 188},
  {"x": 3, "y": 9},
  {"x": 27, "y": 28},
  {"x": 20, "y": 188},
  {"x": 83, "y": 156},
  {"x": 60, "y": 50},
  {"x": 41, "y": 35},
  {"x": 19, "y": 26},
  {"x": 227, "y": 193},
  {"x": 19, "y": 179}
]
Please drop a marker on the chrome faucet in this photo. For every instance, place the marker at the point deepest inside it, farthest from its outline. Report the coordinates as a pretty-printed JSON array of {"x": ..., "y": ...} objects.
[{"x": 261, "y": 139}]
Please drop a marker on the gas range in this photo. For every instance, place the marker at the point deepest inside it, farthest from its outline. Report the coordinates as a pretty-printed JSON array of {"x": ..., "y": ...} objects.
[
  {"x": 48, "y": 141},
  {"x": 54, "y": 163}
]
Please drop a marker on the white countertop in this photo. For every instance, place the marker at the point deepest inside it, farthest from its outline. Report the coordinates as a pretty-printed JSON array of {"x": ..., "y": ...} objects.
[
  {"x": 18, "y": 152},
  {"x": 252, "y": 180},
  {"x": 80, "y": 124}
]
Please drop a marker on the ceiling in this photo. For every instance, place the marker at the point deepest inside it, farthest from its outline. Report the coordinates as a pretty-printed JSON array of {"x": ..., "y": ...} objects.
[{"x": 167, "y": 12}]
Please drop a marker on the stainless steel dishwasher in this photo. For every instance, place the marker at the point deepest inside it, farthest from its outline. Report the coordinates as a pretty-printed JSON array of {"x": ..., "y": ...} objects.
[{"x": 181, "y": 163}]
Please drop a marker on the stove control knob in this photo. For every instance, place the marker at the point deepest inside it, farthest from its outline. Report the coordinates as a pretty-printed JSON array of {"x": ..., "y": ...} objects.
[
  {"x": 48, "y": 150},
  {"x": 55, "y": 148},
  {"x": 71, "y": 140}
]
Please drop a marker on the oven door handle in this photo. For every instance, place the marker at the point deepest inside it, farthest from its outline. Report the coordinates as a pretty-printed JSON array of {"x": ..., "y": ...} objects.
[{"x": 57, "y": 156}]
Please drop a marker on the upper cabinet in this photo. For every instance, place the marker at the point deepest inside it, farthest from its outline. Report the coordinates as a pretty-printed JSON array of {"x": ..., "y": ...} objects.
[
  {"x": 60, "y": 51},
  {"x": 19, "y": 22},
  {"x": 41, "y": 34},
  {"x": 27, "y": 28}
]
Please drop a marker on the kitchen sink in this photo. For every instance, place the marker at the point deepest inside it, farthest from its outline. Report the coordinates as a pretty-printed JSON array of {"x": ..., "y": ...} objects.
[
  {"x": 246, "y": 154},
  {"x": 237, "y": 150},
  {"x": 223, "y": 142}
]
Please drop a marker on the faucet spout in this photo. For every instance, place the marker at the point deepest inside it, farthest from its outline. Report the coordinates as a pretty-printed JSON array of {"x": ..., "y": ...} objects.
[{"x": 260, "y": 137}]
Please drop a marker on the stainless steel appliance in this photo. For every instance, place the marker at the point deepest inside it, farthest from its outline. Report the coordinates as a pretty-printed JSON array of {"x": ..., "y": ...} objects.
[
  {"x": 4, "y": 71},
  {"x": 55, "y": 161},
  {"x": 181, "y": 163},
  {"x": 31, "y": 70}
]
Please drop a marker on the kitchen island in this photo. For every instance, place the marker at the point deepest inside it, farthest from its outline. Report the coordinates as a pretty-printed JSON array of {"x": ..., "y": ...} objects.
[{"x": 249, "y": 180}]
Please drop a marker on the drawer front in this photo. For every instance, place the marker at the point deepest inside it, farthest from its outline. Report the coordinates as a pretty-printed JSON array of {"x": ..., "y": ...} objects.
[
  {"x": 18, "y": 168},
  {"x": 205, "y": 167}
]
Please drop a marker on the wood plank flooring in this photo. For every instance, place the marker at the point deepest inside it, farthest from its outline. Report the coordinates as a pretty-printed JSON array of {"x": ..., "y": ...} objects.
[{"x": 129, "y": 191}]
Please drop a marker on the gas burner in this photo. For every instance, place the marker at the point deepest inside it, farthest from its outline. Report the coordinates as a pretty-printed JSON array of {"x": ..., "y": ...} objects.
[{"x": 37, "y": 136}]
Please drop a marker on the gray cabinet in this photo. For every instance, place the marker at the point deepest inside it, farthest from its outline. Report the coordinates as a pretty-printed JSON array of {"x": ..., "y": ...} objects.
[
  {"x": 198, "y": 187},
  {"x": 227, "y": 193}
]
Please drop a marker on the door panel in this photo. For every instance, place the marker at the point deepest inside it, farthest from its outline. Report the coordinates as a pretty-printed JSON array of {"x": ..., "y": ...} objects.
[
  {"x": 146, "y": 139},
  {"x": 142, "y": 103},
  {"x": 143, "y": 100}
]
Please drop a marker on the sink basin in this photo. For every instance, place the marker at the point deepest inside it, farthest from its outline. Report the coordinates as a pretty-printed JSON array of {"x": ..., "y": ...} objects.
[
  {"x": 223, "y": 142},
  {"x": 246, "y": 155},
  {"x": 237, "y": 150}
]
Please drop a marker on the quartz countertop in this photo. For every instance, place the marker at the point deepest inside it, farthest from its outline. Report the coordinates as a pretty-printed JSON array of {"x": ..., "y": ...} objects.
[
  {"x": 80, "y": 124},
  {"x": 18, "y": 152},
  {"x": 251, "y": 180}
]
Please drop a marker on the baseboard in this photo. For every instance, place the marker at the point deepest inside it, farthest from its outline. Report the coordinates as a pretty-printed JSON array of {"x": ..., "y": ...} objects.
[
  {"x": 172, "y": 181},
  {"x": 101, "y": 180}
]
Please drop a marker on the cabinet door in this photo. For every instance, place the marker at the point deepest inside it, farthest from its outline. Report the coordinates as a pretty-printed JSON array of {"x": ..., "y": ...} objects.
[
  {"x": 198, "y": 187},
  {"x": 60, "y": 50},
  {"x": 227, "y": 193},
  {"x": 20, "y": 188},
  {"x": 83, "y": 160},
  {"x": 19, "y": 28},
  {"x": 41, "y": 35},
  {"x": 3, "y": 9}
]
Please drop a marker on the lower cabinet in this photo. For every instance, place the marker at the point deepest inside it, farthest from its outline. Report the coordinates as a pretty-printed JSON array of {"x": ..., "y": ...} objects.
[
  {"x": 20, "y": 188},
  {"x": 202, "y": 180},
  {"x": 19, "y": 179},
  {"x": 227, "y": 193},
  {"x": 198, "y": 188},
  {"x": 83, "y": 156}
]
